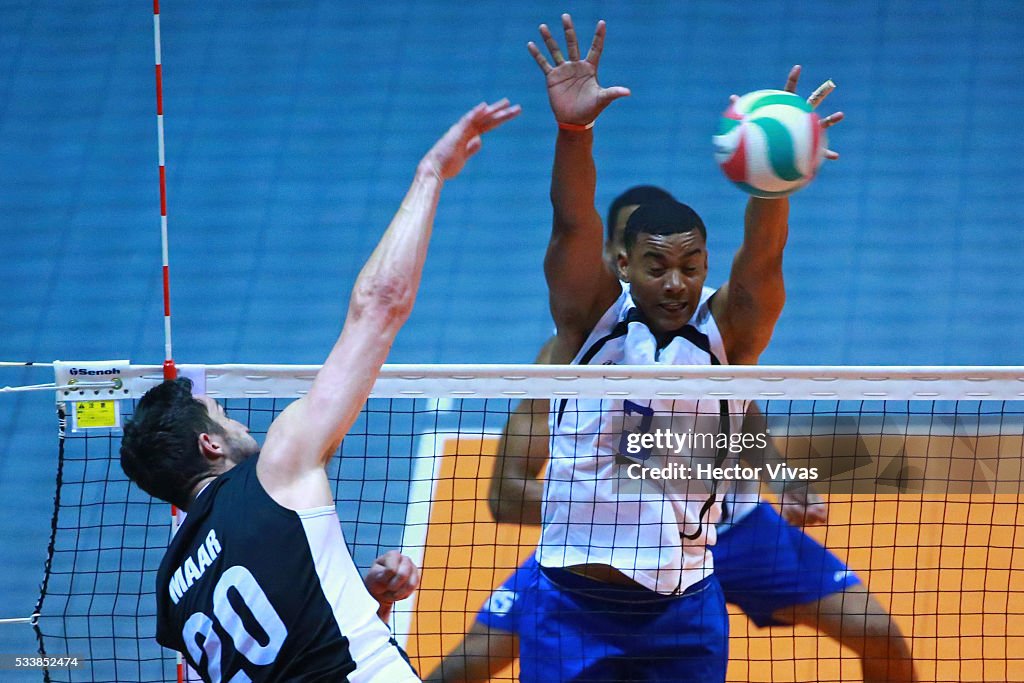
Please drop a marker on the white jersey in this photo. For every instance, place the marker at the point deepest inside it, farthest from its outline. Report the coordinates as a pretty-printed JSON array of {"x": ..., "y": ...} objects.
[{"x": 655, "y": 531}]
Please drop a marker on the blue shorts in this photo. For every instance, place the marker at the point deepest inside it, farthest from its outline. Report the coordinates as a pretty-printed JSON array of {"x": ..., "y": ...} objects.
[
  {"x": 505, "y": 606},
  {"x": 764, "y": 564},
  {"x": 572, "y": 628}
]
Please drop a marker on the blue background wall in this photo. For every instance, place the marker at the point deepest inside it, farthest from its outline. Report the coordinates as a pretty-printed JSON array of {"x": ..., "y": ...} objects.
[{"x": 293, "y": 128}]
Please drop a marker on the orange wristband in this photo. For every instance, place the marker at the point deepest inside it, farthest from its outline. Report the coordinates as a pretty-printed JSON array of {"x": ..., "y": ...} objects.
[{"x": 575, "y": 126}]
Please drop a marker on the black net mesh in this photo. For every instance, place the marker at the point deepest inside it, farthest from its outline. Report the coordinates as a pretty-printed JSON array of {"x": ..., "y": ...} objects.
[{"x": 924, "y": 509}]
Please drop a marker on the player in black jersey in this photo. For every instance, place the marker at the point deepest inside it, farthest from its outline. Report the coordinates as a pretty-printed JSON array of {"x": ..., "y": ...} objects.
[{"x": 258, "y": 585}]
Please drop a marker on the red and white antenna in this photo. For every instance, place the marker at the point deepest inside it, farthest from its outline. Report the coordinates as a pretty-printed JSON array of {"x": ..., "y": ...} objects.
[{"x": 170, "y": 371}]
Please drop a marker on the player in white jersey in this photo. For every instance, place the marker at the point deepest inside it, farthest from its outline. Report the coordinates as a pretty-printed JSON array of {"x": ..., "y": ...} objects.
[
  {"x": 258, "y": 584},
  {"x": 625, "y": 589},
  {"x": 769, "y": 568}
]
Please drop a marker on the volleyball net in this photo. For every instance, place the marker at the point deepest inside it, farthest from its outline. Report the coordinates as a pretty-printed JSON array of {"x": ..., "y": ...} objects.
[{"x": 920, "y": 467}]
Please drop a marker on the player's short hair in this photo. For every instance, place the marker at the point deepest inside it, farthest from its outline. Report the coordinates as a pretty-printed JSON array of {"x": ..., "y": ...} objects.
[
  {"x": 662, "y": 217},
  {"x": 641, "y": 194},
  {"x": 160, "y": 447}
]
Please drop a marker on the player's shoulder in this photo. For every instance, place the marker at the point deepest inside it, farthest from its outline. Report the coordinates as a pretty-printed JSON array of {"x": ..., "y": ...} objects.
[
  {"x": 620, "y": 308},
  {"x": 216, "y": 502},
  {"x": 710, "y": 299}
]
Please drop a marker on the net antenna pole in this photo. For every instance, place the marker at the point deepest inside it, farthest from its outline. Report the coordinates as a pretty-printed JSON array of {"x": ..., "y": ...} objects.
[{"x": 170, "y": 370}]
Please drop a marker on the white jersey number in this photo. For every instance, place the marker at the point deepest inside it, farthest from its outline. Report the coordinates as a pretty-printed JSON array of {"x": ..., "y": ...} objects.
[{"x": 245, "y": 643}]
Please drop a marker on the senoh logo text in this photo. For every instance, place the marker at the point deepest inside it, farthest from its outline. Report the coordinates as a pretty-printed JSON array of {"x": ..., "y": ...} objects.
[{"x": 75, "y": 372}]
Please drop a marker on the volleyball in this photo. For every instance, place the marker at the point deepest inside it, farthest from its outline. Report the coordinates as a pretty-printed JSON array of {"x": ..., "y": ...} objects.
[{"x": 769, "y": 143}]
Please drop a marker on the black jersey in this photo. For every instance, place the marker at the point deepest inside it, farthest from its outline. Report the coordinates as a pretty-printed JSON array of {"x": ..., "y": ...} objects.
[{"x": 252, "y": 591}]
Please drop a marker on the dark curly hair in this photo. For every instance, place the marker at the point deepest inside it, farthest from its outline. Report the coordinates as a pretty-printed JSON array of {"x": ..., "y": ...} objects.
[{"x": 160, "y": 447}]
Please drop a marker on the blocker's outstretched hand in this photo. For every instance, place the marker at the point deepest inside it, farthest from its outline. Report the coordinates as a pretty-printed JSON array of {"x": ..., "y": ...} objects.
[
  {"x": 816, "y": 98},
  {"x": 576, "y": 97},
  {"x": 449, "y": 154}
]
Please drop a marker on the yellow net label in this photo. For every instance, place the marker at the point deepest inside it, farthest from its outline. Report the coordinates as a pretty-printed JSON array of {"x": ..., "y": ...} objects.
[{"x": 96, "y": 414}]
